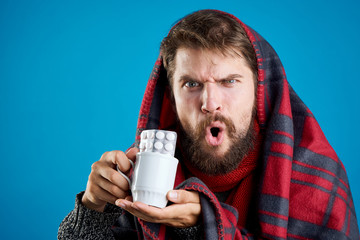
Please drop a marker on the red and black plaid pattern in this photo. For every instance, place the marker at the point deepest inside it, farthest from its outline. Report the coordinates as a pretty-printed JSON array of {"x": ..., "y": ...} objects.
[{"x": 304, "y": 191}]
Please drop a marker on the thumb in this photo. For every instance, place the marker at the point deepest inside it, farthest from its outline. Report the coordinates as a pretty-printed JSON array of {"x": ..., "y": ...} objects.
[
  {"x": 183, "y": 196},
  {"x": 131, "y": 153}
]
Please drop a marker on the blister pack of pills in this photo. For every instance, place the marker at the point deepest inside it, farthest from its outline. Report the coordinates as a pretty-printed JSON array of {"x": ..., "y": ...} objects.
[{"x": 160, "y": 141}]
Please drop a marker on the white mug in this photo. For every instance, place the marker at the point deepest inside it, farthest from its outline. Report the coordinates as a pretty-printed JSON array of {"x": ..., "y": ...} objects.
[
  {"x": 153, "y": 176},
  {"x": 155, "y": 167}
]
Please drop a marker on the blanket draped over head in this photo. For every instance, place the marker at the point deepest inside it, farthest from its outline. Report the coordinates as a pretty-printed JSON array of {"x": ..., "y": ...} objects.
[{"x": 302, "y": 191}]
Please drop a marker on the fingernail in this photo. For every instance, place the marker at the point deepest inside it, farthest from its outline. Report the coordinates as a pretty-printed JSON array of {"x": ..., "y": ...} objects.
[
  {"x": 173, "y": 194},
  {"x": 120, "y": 203}
]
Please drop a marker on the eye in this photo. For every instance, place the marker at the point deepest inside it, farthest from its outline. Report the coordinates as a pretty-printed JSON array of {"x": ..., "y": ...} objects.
[
  {"x": 191, "y": 84},
  {"x": 228, "y": 82}
]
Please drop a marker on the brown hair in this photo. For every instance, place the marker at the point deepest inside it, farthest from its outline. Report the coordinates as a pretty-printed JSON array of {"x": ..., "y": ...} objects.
[{"x": 208, "y": 29}]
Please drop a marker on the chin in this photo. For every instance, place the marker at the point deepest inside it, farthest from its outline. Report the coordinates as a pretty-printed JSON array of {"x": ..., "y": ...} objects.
[{"x": 218, "y": 151}]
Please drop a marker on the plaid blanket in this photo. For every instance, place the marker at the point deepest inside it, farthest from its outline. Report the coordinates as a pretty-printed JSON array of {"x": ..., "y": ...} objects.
[{"x": 303, "y": 191}]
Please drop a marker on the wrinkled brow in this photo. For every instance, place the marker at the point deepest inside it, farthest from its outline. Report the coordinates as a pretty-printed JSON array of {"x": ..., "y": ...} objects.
[{"x": 187, "y": 78}]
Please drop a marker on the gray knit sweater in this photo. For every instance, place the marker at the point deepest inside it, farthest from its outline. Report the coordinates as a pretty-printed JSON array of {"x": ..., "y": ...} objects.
[{"x": 84, "y": 223}]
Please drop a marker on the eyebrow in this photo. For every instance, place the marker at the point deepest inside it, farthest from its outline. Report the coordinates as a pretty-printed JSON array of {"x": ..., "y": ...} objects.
[
  {"x": 232, "y": 76},
  {"x": 188, "y": 78}
]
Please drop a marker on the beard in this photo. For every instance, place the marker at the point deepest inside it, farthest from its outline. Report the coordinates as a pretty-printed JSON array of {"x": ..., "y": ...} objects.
[{"x": 203, "y": 156}]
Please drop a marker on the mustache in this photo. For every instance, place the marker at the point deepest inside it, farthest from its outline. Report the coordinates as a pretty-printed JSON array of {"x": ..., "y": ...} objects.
[{"x": 201, "y": 127}]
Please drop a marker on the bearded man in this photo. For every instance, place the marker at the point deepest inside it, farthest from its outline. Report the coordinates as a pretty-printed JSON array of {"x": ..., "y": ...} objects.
[{"x": 254, "y": 163}]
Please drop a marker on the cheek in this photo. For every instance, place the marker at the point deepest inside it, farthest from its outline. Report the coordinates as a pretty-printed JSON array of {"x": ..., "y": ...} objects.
[
  {"x": 181, "y": 107},
  {"x": 242, "y": 112},
  {"x": 186, "y": 110}
]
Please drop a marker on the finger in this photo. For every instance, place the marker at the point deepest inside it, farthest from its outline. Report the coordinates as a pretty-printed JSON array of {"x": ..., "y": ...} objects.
[
  {"x": 129, "y": 198},
  {"x": 107, "y": 156},
  {"x": 100, "y": 194},
  {"x": 114, "y": 177},
  {"x": 141, "y": 210},
  {"x": 175, "y": 211},
  {"x": 182, "y": 215},
  {"x": 116, "y": 158},
  {"x": 113, "y": 189},
  {"x": 131, "y": 153},
  {"x": 177, "y": 215},
  {"x": 183, "y": 196},
  {"x": 100, "y": 169},
  {"x": 154, "y": 213},
  {"x": 97, "y": 183},
  {"x": 107, "y": 197},
  {"x": 121, "y": 160}
]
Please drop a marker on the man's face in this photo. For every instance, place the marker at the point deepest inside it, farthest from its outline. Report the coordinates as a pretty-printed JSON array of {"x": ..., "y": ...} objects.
[{"x": 214, "y": 98}]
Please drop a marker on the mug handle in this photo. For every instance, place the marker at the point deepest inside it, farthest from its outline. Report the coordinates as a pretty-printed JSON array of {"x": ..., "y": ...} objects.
[{"x": 122, "y": 174}]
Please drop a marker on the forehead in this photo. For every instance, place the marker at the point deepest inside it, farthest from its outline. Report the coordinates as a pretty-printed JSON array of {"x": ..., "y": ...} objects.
[{"x": 203, "y": 64}]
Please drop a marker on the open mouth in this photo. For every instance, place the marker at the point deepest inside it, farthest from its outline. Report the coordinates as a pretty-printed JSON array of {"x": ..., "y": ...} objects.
[{"x": 215, "y": 133}]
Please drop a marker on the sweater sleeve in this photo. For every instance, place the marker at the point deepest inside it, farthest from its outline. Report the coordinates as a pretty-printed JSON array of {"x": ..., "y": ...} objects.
[{"x": 84, "y": 223}]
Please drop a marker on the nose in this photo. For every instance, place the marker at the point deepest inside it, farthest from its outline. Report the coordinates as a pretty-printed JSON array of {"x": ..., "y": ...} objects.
[{"x": 211, "y": 99}]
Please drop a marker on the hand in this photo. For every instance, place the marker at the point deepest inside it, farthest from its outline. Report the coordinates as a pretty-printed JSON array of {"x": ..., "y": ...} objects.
[
  {"x": 105, "y": 184},
  {"x": 183, "y": 213}
]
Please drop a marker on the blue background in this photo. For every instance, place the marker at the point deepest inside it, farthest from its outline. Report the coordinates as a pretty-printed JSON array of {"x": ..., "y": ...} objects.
[{"x": 73, "y": 73}]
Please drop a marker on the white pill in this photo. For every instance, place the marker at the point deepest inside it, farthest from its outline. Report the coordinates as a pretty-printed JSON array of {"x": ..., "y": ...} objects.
[
  {"x": 150, "y": 134},
  {"x": 158, "y": 145},
  {"x": 170, "y": 136},
  {"x": 149, "y": 145},
  {"x": 142, "y": 145},
  {"x": 169, "y": 147},
  {"x": 143, "y": 135},
  {"x": 160, "y": 135}
]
